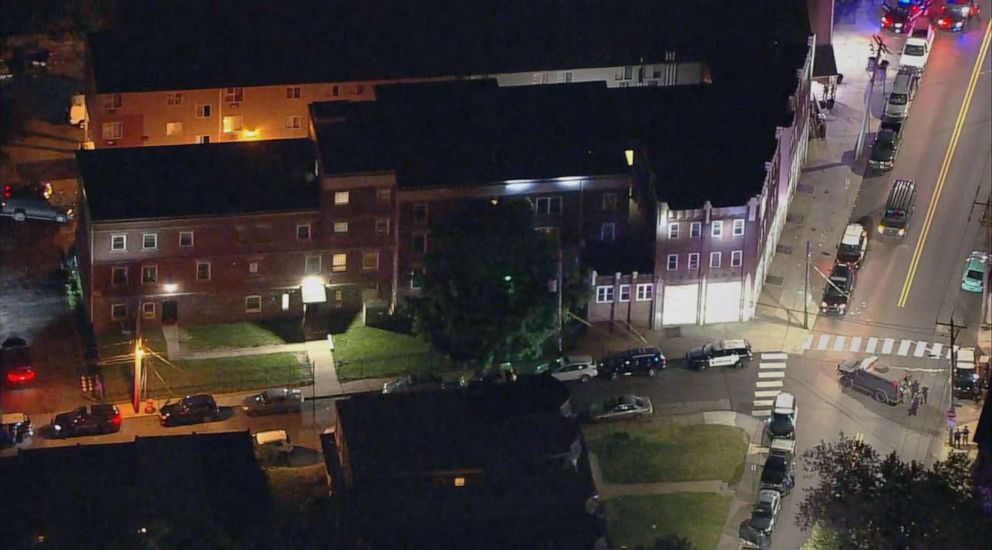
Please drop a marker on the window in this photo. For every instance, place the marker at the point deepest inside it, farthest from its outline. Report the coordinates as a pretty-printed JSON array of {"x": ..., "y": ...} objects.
[
  {"x": 339, "y": 263},
  {"x": 119, "y": 276},
  {"x": 645, "y": 292},
  {"x": 340, "y": 227},
  {"x": 624, "y": 293},
  {"x": 607, "y": 231},
  {"x": 112, "y": 101},
  {"x": 548, "y": 205},
  {"x": 285, "y": 301},
  {"x": 717, "y": 231},
  {"x": 312, "y": 265},
  {"x": 738, "y": 228},
  {"x": 609, "y": 202},
  {"x": 420, "y": 214},
  {"x": 253, "y": 304},
  {"x": 338, "y": 298},
  {"x": 233, "y": 124},
  {"x": 359, "y": 89},
  {"x": 113, "y": 130},
  {"x": 335, "y": 90},
  {"x": 118, "y": 311},
  {"x": 673, "y": 262},
  {"x": 149, "y": 241},
  {"x": 604, "y": 294},
  {"x": 294, "y": 122},
  {"x": 149, "y": 274},
  {"x": 203, "y": 139},
  {"x": 381, "y": 226},
  {"x": 341, "y": 197},
  {"x": 293, "y": 92},
  {"x": 234, "y": 95},
  {"x": 174, "y": 98},
  {"x": 416, "y": 277},
  {"x": 173, "y": 129},
  {"x": 203, "y": 111},
  {"x": 185, "y": 239},
  {"x": 370, "y": 260},
  {"x": 202, "y": 271},
  {"x": 673, "y": 231},
  {"x": 736, "y": 258},
  {"x": 303, "y": 231},
  {"x": 419, "y": 243},
  {"x": 118, "y": 243},
  {"x": 148, "y": 310},
  {"x": 715, "y": 258},
  {"x": 694, "y": 260},
  {"x": 252, "y": 267},
  {"x": 695, "y": 229},
  {"x": 383, "y": 195}
]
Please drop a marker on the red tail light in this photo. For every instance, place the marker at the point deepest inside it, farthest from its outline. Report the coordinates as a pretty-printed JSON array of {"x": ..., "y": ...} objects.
[
  {"x": 20, "y": 377},
  {"x": 886, "y": 21},
  {"x": 7, "y": 191},
  {"x": 117, "y": 419}
]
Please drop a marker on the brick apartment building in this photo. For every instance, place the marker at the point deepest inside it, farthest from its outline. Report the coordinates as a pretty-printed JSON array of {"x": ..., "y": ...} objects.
[{"x": 150, "y": 85}]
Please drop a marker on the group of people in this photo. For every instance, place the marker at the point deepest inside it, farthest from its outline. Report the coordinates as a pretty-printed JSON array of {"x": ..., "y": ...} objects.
[
  {"x": 960, "y": 437},
  {"x": 918, "y": 395}
]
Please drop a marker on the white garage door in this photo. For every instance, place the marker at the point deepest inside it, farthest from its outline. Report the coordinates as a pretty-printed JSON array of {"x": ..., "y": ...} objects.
[
  {"x": 681, "y": 304},
  {"x": 723, "y": 303}
]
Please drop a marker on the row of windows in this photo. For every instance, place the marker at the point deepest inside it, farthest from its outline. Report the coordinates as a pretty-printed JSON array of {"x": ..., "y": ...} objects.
[
  {"x": 606, "y": 294},
  {"x": 231, "y": 95},
  {"x": 716, "y": 260},
  {"x": 716, "y": 229},
  {"x": 149, "y": 241},
  {"x": 312, "y": 265},
  {"x": 253, "y": 304}
]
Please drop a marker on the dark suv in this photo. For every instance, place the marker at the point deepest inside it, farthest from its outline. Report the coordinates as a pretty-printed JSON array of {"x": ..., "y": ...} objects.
[
  {"x": 191, "y": 409},
  {"x": 29, "y": 204},
  {"x": 98, "y": 419},
  {"x": 633, "y": 361},
  {"x": 724, "y": 353}
]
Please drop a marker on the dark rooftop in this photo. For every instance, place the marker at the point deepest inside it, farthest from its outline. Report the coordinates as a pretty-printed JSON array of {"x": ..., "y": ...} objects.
[
  {"x": 199, "y": 180},
  {"x": 243, "y": 43}
]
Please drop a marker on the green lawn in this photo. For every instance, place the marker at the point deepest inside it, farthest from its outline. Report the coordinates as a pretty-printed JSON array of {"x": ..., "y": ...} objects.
[
  {"x": 634, "y": 521},
  {"x": 369, "y": 352},
  {"x": 637, "y": 452},
  {"x": 227, "y": 374},
  {"x": 239, "y": 335},
  {"x": 114, "y": 343}
]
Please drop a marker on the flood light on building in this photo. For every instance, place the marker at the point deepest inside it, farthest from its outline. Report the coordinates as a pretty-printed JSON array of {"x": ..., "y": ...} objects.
[
  {"x": 170, "y": 287},
  {"x": 459, "y": 482},
  {"x": 250, "y": 134},
  {"x": 629, "y": 153}
]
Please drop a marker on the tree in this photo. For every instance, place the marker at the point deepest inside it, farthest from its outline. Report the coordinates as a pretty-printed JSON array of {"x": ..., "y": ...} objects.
[
  {"x": 487, "y": 288},
  {"x": 868, "y": 501}
]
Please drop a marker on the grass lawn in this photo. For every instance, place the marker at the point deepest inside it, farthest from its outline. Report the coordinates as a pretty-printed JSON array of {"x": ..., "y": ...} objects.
[
  {"x": 635, "y": 521},
  {"x": 114, "y": 343},
  {"x": 369, "y": 352},
  {"x": 240, "y": 335},
  {"x": 227, "y": 374},
  {"x": 636, "y": 452}
]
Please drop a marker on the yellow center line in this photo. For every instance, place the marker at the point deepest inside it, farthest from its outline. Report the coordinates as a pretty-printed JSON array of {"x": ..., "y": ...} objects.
[{"x": 945, "y": 167}]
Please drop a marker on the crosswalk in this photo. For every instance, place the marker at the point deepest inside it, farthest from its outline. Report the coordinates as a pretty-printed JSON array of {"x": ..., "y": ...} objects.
[
  {"x": 874, "y": 346},
  {"x": 771, "y": 378}
]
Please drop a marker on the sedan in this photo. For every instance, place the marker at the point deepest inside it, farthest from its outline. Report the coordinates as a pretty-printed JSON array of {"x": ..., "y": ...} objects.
[
  {"x": 973, "y": 279},
  {"x": 278, "y": 401},
  {"x": 15, "y": 356},
  {"x": 620, "y": 407}
]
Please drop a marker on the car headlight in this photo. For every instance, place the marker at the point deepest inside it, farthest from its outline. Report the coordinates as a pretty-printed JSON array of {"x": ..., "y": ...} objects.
[
  {"x": 823, "y": 304},
  {"x": 881, "y": 229},
  {"x": 902, "y": 232},
  {"x": 842, "y": 307},
  {"x": 974, "y": 377},
  {"x": 57, "y": 428}
]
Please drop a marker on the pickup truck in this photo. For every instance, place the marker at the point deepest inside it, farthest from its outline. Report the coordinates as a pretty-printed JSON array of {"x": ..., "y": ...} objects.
[
  {"x": 779, "y": 472},
  {"x": 916, "y": 52},
  {"x": 886, "y": 146}
]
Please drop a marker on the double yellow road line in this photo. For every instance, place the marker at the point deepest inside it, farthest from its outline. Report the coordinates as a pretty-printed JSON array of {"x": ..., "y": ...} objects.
[{"x": 945, "y": 166}]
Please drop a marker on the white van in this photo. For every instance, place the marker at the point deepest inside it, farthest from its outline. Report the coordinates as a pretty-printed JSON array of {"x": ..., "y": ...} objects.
[
  {"x": 916, "y": 52},
  {"x": 277, "y": 439}
]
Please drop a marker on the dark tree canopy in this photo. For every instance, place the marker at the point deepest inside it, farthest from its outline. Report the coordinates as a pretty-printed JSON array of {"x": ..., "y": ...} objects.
[
  {"x": 486, "y": 292},
  {"x": 870, "y": 501}
]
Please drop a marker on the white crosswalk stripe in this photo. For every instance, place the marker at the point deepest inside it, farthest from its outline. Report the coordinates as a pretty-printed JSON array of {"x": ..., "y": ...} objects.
[
  {"x": 766, "y": 393},
  {"x": 763, "y": 412},
  {"x": 869, "y": 345},
  {"x": 764, "y": 365},
  {"x": 763, "y": 402},
  {"x": 768, "y": 384},
  {"x": 771, "y": 374},
  {"x": 775, "y": 356}
]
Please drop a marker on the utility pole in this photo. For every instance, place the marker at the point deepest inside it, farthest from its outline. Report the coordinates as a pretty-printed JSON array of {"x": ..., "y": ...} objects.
[
  {"x": 874, "y": 65},
  {"x": 561, "y": 290},
  {"x": 951, "y": 413},
  {"x": 806, "y": 292}
]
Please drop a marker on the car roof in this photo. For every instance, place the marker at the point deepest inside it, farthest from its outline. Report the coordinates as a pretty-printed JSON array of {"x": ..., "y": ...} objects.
[
  {"x": 779, "y": 444},
  {"x": 966, "y": 355},
  {"x": 784, "y": 402},
  {"x": 852, "y": 234},
  {"x": 737, "y": 343},
  {"x": 271, "y": 436}
]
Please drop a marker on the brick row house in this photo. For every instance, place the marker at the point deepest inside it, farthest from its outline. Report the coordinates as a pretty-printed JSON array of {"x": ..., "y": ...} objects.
[{"x": 147, "y": 85}]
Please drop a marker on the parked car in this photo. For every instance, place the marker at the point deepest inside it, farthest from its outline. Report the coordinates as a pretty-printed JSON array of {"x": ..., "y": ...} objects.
[
  {"x": 899, "y": 17},
  {"x": 278, "y": 401},
  {"x": 973, "y": 279},
  {"x": 886, "y": 146},
  {"x": 276, "y": 439},
  {"x": 14, "y": 429},
  {"x": 620, "y": 407},
  {"x": 573, "y": 367},
  {"x": 870, "y": 376},
  {"x": 29, "y": 204},
  {"x": 719, "y": 354},
  {"x": 413, "y": 382},
  {"x": 916, "y": 51},
  {"x": 853, "y": 245},
  {"x": 15, "y": 358},
  {"x": 837, "y": 293},
  {"x": 191, "y": 409},
  {"x": 779, "y": 471},
  {"x": 755, "y": 531},
  {"x": 967, "y": 381},
  {"x": 94, "y": 420},
  {"x": 955, "y": 14},
  {"x": 785, "y": 412},
  {"x": 633, "y": 361}
]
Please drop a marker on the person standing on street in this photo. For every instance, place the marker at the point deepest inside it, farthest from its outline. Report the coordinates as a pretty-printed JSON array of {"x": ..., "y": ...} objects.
[
  {"x": 926, "y": 392},
  {"x": 914, "y": 406},
  {"x": 964, "y": 437}
]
